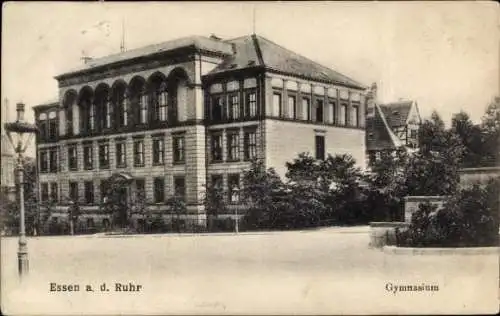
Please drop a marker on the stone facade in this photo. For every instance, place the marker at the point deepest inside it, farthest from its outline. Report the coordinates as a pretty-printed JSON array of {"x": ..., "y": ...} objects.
[{"x": 226, "y": 118}]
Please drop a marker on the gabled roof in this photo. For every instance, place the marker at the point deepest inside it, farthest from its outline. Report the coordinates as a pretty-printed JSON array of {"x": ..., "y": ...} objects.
[
  {"x": 379, "y": 135},
  {"x": 255, "y": 50},
  {"x": 396, "y": 113},
  {"x": 199, "y": 42}
]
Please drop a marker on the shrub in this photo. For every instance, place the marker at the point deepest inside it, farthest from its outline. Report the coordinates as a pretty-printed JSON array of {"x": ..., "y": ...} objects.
[{"x": 468, "y": 219}]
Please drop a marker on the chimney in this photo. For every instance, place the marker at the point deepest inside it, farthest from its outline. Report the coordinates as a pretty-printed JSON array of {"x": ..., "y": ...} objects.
[{"x": 371, "y": 100}]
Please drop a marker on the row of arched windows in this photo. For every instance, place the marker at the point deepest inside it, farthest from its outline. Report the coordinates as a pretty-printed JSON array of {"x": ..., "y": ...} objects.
[{"x": 113, "y": 108}]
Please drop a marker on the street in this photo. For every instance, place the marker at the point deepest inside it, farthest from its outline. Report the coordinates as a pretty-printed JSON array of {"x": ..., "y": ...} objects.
[{"x": 320, "y": 271}]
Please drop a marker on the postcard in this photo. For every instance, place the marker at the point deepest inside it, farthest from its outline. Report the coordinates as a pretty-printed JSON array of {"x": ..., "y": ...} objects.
[{"x": 262, "y": 158}]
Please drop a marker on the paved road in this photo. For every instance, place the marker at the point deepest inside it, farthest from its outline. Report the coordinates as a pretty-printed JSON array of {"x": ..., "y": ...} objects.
[{"x": 323, "y": 271}]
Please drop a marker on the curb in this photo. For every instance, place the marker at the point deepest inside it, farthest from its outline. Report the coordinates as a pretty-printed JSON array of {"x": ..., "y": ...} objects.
[{"x": 393, "y": 250}]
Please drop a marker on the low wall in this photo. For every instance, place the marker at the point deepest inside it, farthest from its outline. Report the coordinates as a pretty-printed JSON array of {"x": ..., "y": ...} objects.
[
  {"x": 470, "y": 176},
  {"x": 412, "y": 204},
  {"x": 441, "y": 251},
  {"x": 383, "y": 233}
]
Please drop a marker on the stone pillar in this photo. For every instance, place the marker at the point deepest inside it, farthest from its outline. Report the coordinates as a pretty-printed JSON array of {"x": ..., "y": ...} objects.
[{"x": 195, "y": 170}]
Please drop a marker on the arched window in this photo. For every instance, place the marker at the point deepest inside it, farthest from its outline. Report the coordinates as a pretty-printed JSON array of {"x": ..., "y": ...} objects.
[
  {"x": 120, "y": 104},
  {"x": 109, "y": 114},
  {"x": 102, "y": 110},
  {"x": 92, "y": 117},
  {"x": 143, "y": 107},
  {"x": 87, "y": 110},
  {"x": 137, "y": 101},
  {"x": 163, "y": 102},
  {"x": 70, "y": 99}
]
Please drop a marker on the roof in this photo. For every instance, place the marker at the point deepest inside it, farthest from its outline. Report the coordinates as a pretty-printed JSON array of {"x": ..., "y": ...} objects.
[
  {"x": 396, "y": 113},
  {"x": 46, "y": 105},
  {"x": 255, "y": 50},
  {"x": 199, "y": 42},
  {"x": 379, "y": 135}
]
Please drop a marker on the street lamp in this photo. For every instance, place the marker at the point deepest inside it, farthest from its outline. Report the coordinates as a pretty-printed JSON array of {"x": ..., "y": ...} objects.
[
  {"x": 236, "y": 192},
  {"x": 15, "y": 133}
]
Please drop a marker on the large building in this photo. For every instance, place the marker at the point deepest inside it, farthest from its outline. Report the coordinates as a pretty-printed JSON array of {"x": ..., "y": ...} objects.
[{"x": 175, "y": 117}]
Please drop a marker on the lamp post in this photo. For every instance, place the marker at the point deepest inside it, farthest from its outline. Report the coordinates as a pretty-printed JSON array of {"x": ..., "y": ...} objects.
[
  {"x": 237, "y": 221},
  {"x": 15, "y": 132},
  {"x": 71, "y": 210}
]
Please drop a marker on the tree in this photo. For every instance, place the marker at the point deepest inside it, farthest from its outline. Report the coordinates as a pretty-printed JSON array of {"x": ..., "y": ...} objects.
[
  {"x": 139, "y": 208},
  {"x": 432, "y": 134},
  {"x": 470, "y": 136},
  {"x": 490, "y": 126},
  {"x": 215, "y": 203},
  {"x": 324, "y": 190},
  {"x": 387, "y": 186},
  {"x": 263, "y": 195},
  {"x": 116, "y": 205},
  {"x": 434, "y": 169},
  {"x": 177, "y": 206}
]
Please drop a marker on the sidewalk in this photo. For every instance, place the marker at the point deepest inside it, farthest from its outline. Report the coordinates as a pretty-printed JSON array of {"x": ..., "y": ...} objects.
[{"x": 332, "y": 229}]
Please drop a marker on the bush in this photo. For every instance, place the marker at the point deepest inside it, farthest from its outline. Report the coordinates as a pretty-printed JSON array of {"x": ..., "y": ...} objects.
[{"x": 468, "y": 219}]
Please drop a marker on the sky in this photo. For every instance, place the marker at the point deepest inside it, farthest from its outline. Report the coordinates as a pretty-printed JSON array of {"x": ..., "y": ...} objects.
[{"x": 444, "y": 55}]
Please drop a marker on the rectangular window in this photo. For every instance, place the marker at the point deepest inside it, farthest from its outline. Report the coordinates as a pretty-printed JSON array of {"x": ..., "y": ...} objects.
[
  {"x": 277, "y": 105},
  {"x": 140, "y": 189},
  {"x": 413, "y": 133},
  {"x": 235, "y": 107},
  {"x": 216, "y": 144},
  {"x": 54, "y": 193},
  {"x": 53, "y": 129},
  {"x": 306, "y": 109},
  {"x": 354, "y": 116},
  {"x": 178, "y": 143},
  {"x": 139, "y": 153},
  {"x": 103, "y": 156},
  {"x": 72, "y": 157},
  {"x": 233, "y": 186},
  {"x": 319, "y": 110},
  {"x": 333, "y": 114},
  {"x": 250, "y": 145},
  {"x": 216, "y": 181},
  {"x": 44, "y": 192},
  {"x": 89, "y": 192},
  {"x": 88, "y": 160},
  {"x": 121, "y": 151},
  {"x": 217, "y": 108},
  {"x": 158, "y": 150},
  {"x": 292, "y": 107},
  {"x": 44, "y": 161},
  {"x": 251, "y": 98},
  {"x": 159, "y": 190},
  {"x": 53, "y": 160},
  {"x": 343, "y": 114},
  {"x": 42, "y": 126},
  {"x": 233, "y": 145},
  {"x": 73, "y": 191},
  {"x": 180, "y": 187},
  {"x": 320, "y": 147}
]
